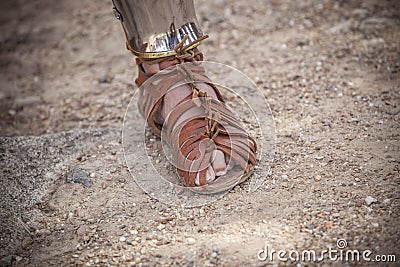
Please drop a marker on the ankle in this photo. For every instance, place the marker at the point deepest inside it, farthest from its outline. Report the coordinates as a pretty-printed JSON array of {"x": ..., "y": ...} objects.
[{"x": 146, "y": 69}]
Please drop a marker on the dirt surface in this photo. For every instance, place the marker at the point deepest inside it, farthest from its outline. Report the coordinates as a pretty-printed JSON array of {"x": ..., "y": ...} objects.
[{"x": 330, "y": 71}]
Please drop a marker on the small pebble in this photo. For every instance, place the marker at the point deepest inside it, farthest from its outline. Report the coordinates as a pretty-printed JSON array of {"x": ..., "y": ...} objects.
[
  {"x": 6, "y": 261},
  {"x": 369, "y": 200},
  {"x": 134, "y": 232},
  {"x": 191, "y": 240},
  {"x": 81, "y": 231},
  {"x": 161, "y": 227},
  {"x": 43, "y": 232},
  {"x": 78, "y": 175},
  {"x": 105, "y": 79},
  {"x": 122, "y": 239},
  {"x": 26, "y": 243},
  {"x": 26, "y": 101}
]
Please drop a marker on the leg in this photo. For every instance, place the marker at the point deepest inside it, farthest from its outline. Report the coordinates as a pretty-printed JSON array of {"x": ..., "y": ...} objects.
[{"x": 162, "y": 34}]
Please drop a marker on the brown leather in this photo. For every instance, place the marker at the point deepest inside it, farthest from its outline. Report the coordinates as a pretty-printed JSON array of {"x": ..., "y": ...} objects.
[{"x": 194, "y": 140}]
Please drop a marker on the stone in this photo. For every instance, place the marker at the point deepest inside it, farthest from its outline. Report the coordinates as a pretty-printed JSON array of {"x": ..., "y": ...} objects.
[
  {"x": 81, "y": 231},
  {"x": 6, "y": 261},
  {"x": 77, "y": 175},
  {"x": 26, "y": 101},
  {"x": 369, "y": 200},
  {"x": 26, "y": 243},
  {"x": 43, "y": 232},
  {"x": 161, "y": 227}
]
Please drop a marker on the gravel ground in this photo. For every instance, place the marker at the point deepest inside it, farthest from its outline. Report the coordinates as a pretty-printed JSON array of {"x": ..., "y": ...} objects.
[{"x": 330, "y": 72}]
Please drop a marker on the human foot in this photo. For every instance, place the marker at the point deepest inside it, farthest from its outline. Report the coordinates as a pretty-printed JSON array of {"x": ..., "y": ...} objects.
[{"x": 206, "y": 144}]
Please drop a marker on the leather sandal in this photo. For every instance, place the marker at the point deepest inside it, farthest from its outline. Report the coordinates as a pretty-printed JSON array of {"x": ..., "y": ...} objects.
[{"x": 193, "y": 140}]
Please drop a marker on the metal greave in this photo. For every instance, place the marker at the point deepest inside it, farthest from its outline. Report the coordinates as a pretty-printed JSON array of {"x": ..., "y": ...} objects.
[{"x": 153, "y": 28}]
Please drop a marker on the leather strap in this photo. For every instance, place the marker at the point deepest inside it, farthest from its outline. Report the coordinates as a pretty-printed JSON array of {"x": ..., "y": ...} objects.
[{"x": 194, "y": 140}]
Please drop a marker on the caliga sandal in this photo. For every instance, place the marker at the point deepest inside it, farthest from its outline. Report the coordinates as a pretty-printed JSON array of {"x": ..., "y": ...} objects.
[{"x": 193, "y": 140}]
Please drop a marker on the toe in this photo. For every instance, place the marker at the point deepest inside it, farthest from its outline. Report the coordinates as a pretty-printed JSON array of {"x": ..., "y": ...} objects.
[
  {"x": 210, "y": 175},
  {"x": 219, "y": 164},
  {"x": 197, "y": 180},
  {"x": 230, "y": 163}
]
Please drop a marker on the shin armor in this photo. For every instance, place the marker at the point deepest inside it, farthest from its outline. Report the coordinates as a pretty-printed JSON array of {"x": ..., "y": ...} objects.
[{"x": 153, "y": 28}]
